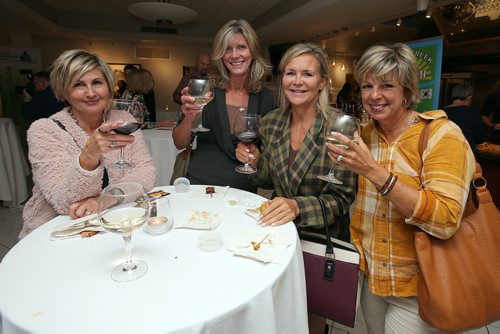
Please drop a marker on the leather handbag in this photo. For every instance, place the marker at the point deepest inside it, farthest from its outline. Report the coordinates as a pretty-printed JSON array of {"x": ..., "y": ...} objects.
[
  {"x": 459, "y": 284},
  {"x": 333, "y": 279},
  {"x": 181, "y": 163}
]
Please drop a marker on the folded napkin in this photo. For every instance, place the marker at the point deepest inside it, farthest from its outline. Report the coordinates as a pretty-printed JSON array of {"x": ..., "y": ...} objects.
[
  {"x": 271, "y": 250},
  {"x": 83, "y": 227},
  {"x": 201, "y": 220},
  {"x": 240, "y": 201},
  {"x": 256, "y": 211}
]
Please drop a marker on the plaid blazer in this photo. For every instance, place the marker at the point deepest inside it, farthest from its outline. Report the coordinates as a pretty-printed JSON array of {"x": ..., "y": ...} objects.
[{"x": 300, "y": 182}]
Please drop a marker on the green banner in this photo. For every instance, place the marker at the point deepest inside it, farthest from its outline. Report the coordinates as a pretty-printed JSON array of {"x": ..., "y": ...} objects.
[{"x": 429, "y": 54}]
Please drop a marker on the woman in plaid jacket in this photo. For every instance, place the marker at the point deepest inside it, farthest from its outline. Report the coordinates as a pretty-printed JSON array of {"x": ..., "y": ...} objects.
[{"x": 293, "y": 151}]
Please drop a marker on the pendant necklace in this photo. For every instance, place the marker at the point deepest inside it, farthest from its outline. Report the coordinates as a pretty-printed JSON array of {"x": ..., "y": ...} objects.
[{"x": 241, "y": 108}]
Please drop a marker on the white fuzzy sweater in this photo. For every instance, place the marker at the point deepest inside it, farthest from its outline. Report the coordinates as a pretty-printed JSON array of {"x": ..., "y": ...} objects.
[{"x": 60, "y": 181}]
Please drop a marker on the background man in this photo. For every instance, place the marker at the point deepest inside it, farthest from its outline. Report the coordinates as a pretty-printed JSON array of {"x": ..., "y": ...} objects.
[
  {"x": 43, "y": 104},
  {"x": 200, "y": 71},
  {"x": 465, "y": 116}
]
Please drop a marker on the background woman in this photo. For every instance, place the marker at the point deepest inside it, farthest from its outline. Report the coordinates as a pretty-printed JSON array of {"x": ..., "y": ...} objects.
[
  {"x": 239, "y": 74},
  {"x": 397, "y": 195},
  {"x": 293, "y": 150},
  {"x": 71, "y": 151},
  {"x": 139, "y": 83}
]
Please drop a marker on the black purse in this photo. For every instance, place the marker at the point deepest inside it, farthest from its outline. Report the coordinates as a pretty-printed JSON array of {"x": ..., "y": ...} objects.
[{"x": 333, "y": 279}]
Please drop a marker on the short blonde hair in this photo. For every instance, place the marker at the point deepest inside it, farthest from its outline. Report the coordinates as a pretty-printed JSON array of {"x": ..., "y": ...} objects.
[
  {"x": 71, "y": 65},
  {"x": 391, "y": 60},
  {"x": 259, "y": 66},
  {"x": 317, "y": 52},
  {"x": 140, "y": 81}
]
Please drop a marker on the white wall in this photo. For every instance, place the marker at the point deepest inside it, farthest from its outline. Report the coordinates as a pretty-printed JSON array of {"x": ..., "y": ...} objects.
[{"x": 166, "y": 73}]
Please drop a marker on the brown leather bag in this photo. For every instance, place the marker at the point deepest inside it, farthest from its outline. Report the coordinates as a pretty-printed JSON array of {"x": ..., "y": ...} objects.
[{"x": 459, "y": 285}]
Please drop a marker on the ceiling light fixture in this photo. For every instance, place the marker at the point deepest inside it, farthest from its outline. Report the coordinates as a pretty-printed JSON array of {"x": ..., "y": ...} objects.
[
  {"x": 356, "y": 33},
  {"x": 343, "y": 67},
  {"x": 374, "y": 28},
  {"x": 333, "y": 61},
  {"x": 162, "y": 12},
  {"x": 399, "y": 22}
]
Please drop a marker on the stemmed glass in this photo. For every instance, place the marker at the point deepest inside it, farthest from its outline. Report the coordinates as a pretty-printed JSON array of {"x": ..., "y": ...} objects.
[
  {"x": 247, "y": 129},
  {"x": 123, "y": 208},
  {"x": 132, "y": 114},
  {"x": 203, "y": 92},
  {"x": 348, "y": 126}
]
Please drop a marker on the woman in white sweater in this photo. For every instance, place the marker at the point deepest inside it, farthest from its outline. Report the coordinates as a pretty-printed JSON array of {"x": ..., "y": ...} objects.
[{"x": 72, "y": 152}]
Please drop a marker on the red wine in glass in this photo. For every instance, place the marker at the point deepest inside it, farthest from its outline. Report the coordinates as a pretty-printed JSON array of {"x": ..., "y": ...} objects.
[
  {"x": 131, "y": 114},
  {"x": 127, "y": 128},
  {"x": 247, "y": 129}
]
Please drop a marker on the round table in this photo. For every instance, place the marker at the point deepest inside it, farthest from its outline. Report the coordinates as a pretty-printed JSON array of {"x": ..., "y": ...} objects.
[
  {"x": 163, "y": 151},
  {"x": 13, "y": 166},
  {"x": 64, "y": 286}
]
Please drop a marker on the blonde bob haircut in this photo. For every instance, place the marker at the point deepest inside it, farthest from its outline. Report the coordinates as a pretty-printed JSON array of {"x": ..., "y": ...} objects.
[
  {"x": 71, "y": 65},
  {"x": 317, "y": 52},
  {"x": 255, "y": 79},
  {"x": 140, "y": 81},
  {"x": 391, "y": 61}
]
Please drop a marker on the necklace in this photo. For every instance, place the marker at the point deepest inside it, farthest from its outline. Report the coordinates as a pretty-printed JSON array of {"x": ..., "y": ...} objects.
[
  {"x": 241, "y": 108},
  {"x": 70, "y": 112}
]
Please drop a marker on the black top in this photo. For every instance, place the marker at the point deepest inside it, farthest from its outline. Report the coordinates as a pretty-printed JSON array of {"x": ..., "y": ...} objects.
[
  {"x": 469, "y": 121},
  {"x": 214, "y": 159}
]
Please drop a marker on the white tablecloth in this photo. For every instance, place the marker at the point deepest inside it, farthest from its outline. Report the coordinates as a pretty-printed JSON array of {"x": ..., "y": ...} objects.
[
  {"x": 64, "y": 286},
  {"x": 162, "y": 149},
  {"x": 13, "y": 166}
]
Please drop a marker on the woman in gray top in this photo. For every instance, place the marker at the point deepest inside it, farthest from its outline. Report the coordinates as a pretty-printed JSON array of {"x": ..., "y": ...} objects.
[{"x": 238, "y": 75}]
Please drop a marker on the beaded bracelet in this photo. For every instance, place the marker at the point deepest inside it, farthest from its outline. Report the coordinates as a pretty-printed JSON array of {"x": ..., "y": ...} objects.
[{"x": 394, "y": 179}]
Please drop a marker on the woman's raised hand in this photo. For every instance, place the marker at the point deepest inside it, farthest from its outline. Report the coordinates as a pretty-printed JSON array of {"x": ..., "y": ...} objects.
[
  {"x": 189, "y": 108},
  {"x": 356, "y": 157},
  {"x": 103, "y": 140}
]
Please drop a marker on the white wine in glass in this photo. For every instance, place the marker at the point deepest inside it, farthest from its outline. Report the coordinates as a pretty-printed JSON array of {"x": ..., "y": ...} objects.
[
  {"x": 132, "y": 114},
  {"x": 123, "y": 208},
  {"x": 348, "y": 126},
  {"x": 202, "y": 92},
  {"x": 247, "y": 129}
]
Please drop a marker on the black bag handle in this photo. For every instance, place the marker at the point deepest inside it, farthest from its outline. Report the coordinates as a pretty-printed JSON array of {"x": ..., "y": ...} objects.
[{"x": 329, "y": 269}]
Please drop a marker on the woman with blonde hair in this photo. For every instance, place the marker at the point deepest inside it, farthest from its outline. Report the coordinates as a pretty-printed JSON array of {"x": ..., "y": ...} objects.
[
  {"x": 238, "y": 74},
  {"x": 140, "y": 85},
  {"x": 293, "y": 151},
  {"x": 399, "y": 191},
  {"x": 73, "y": 151}
]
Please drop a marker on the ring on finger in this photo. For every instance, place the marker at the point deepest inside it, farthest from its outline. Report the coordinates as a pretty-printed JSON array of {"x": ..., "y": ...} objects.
[
  {"x": 113, "y": 144},
  {"x": 340, "y": 157},
  {"x": 87, "y": 213}
]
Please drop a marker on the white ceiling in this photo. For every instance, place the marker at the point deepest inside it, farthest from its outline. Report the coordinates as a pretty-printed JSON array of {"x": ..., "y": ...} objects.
[{"x": 276, "y": 21}]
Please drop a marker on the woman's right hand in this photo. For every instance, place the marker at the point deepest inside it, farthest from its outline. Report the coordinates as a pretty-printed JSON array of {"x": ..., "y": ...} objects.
[
  {"x": 189, "y": 108},
  {"x": 102, "y": 141},
  {"x": 248, "y": 153}
]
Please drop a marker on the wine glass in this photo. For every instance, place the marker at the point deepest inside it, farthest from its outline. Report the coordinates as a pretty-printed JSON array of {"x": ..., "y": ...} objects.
[
  {"x": 132, "y": 114},
  {"x": 203, "y": 92},
  {"x": 246, "y": 128},
  {"x": 348, "y": 126},
  {"x": 123, "y": 208}
]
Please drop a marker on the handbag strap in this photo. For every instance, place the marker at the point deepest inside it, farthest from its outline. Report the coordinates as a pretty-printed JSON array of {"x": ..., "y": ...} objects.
[
  {"x": 329, "y": 268},
  {"x": 482, "y": 193}
]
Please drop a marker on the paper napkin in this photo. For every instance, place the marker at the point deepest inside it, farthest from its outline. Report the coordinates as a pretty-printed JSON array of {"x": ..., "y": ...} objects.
[
  {"x": 271, "y": 250},
  {"x": 201, "y": 220}
]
